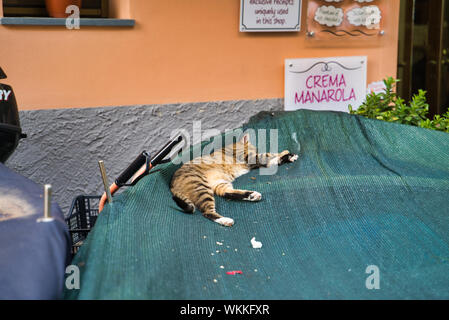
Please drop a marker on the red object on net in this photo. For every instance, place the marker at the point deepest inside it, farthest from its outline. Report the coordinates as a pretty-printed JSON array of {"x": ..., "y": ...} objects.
[{"x": 234, "y": 272}]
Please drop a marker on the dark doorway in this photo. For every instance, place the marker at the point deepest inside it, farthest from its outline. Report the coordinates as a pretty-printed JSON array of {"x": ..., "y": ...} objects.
[{"x": 423, "y": 61}]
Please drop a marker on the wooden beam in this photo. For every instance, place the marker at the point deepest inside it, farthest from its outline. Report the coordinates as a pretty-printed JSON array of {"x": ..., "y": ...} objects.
[
  {"x": 434, "y": 56},
  {"x": 406, "y": 60},
  {"x": 105, "y": 8}
]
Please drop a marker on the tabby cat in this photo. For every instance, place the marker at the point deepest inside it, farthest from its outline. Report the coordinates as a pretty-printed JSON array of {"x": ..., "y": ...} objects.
[{"x": 196, "y": 182}]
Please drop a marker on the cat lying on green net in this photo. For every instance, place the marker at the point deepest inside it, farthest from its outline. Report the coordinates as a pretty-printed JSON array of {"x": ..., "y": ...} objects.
[{"x": 196, "y": 182}]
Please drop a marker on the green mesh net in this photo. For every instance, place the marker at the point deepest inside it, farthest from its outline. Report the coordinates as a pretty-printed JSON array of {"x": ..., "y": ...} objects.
[{"x": 363, "y": 193}]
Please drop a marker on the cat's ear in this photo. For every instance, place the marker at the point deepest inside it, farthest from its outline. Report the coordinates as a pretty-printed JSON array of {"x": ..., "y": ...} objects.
[{"x": 245, "y": 138}]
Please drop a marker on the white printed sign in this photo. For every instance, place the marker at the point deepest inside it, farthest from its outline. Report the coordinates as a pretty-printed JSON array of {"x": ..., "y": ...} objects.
[
  {"x": 329, "y": 16},
  {"x": 270, "y": 15},
  {"x": 325, "y": 83},
  {"x": 368, "y": 16},
  {"x": 376, "y": 87}
]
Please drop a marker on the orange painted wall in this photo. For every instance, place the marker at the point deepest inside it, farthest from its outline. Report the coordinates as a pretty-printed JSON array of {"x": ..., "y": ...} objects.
[{"x": 179, "y": 51}]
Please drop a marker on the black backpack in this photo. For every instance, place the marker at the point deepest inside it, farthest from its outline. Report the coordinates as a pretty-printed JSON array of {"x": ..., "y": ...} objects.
[{"x": 10, "y": 130}]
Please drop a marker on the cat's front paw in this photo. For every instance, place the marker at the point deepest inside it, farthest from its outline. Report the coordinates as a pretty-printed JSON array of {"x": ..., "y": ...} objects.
[
  {"x": 253, "y": 196},
  {"x": 292, "y": 157},
  {"x": 224, "y": 221}
]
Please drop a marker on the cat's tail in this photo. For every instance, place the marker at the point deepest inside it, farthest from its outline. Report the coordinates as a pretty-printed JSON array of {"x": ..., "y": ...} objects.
[{"x": 183, "y": 202}]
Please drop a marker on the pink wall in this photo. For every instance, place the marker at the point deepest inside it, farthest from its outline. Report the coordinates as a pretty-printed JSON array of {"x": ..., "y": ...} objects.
[{"x": 179, "y": 51}]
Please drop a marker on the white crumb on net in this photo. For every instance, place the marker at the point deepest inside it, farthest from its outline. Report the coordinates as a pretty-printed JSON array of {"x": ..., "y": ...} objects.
[
  {"x": 221, "y": 267},
  {"x": 219, "y": 243},
  {"x": 256, "y": 244}
]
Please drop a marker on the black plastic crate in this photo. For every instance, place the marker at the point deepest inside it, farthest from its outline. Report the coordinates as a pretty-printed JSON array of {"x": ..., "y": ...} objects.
[{"x": 82, "y": 217}]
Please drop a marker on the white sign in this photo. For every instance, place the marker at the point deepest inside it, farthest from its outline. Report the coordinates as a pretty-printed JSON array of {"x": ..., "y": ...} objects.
[
  {"x": 376, "y": 87},
  {"x": 270, "y": 15},
  {"x": 329, "y": 16},
  {"x": 368, "y": 16},
  {"x": 325, "y": 83}
]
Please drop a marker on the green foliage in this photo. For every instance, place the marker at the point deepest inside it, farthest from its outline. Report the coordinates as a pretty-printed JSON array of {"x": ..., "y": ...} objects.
[{"x": 388, "y": 106}]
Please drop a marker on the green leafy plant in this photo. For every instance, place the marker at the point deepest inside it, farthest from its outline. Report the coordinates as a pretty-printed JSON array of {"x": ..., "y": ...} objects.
[{"x": 388, "y": 106}]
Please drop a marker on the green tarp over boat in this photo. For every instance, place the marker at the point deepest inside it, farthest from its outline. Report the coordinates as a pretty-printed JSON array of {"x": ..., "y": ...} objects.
[{"x": 363, "y": 193}]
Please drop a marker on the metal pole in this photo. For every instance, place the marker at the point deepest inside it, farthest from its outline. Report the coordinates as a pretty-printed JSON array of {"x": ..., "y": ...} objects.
[
  {"x": 105, "y": 180},
  {"x": 47, "y": 205},
  {"x": 47, "y": 201}
]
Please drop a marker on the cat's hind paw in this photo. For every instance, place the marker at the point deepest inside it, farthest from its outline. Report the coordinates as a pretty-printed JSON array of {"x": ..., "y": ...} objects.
[
  {"x": 253, "y": 196},
  {"x": 224, "y": 221}
]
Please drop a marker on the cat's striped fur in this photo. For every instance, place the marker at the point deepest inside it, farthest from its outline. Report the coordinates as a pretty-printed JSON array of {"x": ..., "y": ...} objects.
[{"x": 195, "y": 183}]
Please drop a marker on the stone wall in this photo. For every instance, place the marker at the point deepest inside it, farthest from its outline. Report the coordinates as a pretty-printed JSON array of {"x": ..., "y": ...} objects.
[{"x": 64, "y": 145}]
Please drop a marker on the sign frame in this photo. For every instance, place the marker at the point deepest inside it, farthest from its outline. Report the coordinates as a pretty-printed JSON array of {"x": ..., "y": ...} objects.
[
  {"x": 325, "y": 83},
  {"x": 249, "y": 26}
]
